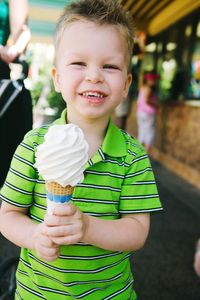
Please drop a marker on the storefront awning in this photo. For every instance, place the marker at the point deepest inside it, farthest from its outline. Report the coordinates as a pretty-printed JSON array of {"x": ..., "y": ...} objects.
[
  {"x": 151, "y": 16},
  {"x": 43, "y": 15},
  {"x": 154, "y": 16}
]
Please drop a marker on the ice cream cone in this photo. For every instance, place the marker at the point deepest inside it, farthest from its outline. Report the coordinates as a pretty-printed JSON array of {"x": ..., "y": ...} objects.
[{"x": 57, "y": 195}]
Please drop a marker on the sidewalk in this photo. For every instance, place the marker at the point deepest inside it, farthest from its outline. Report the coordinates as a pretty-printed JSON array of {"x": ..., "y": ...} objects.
[{"x": 164, "y": 267}]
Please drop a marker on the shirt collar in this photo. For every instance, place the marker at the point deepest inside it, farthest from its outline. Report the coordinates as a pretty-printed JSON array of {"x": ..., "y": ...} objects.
[
  {"x": 114, "y": 143},
  {"x": 62, "y": 120}
]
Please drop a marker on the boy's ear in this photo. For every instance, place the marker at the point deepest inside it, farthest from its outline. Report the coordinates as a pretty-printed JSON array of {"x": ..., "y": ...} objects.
[
  {"x": 127, "y": 84},
  {"x": 55, "y": 77}
]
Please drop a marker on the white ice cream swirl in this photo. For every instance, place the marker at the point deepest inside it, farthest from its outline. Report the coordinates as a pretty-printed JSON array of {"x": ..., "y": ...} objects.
[{"x": 63, "y": 155}]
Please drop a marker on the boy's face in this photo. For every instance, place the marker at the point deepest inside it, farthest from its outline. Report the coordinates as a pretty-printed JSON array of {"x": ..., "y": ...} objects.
[{"x": 91, "y": 69}]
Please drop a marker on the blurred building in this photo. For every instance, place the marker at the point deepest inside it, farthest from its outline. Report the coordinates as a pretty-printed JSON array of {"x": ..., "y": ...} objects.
[{"x": 172, "y": 35}]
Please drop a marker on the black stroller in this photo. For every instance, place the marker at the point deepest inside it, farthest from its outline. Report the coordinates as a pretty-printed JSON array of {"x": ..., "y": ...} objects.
[
  {"x": 15, "y": 121},
  {"x": 15, "y": 117}
]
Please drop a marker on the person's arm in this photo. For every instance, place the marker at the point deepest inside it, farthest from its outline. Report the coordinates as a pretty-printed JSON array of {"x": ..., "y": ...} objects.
[
  {"x": 147, "y": 93},
  {"x": 20, "y": 33},
  {"x": 196, "y": 263},
  {"x": 69, "y": 225},
  {"x": 17, "y": 227},
  {"x": 18, "y": 15}
]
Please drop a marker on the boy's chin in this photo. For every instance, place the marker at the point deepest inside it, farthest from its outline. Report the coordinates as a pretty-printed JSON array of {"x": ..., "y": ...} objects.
[{"x": 95, "y": 115}]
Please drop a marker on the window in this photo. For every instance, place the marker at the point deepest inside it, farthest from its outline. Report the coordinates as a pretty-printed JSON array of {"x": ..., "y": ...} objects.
[
  {"x": 194, "y": 84},
  {"x": 175, "y": 54}
]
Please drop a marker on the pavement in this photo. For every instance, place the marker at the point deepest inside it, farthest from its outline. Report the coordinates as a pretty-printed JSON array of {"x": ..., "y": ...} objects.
[{"x": 163, "y": 269}]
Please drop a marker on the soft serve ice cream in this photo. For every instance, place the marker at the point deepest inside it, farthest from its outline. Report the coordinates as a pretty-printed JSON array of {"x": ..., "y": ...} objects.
[{"x": 61, "y": 161}]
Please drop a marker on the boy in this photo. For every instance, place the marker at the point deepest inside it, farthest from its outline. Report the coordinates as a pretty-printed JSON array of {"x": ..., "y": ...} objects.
[{"x": 82, "y": 251}]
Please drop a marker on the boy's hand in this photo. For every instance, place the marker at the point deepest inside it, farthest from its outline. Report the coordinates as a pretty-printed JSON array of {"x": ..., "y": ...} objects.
[
  {"x": 43, "y": 245},
  {"x": 67, "y": 225}
]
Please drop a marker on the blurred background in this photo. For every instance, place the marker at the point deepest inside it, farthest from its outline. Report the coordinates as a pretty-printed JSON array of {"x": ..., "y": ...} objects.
[{"x": 167, "y": 41}]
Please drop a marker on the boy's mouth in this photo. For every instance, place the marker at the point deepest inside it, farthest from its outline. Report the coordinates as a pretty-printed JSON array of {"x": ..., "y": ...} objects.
[{"x": 93, "y": 96}]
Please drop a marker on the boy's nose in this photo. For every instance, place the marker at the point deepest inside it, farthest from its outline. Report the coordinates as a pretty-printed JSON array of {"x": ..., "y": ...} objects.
[{"x": 94, "y": 75}]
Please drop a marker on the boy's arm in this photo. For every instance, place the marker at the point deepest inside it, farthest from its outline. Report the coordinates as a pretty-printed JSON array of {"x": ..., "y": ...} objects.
[
  {"x": 17, "y": 227},
  {"x": 126, "y": 234}
]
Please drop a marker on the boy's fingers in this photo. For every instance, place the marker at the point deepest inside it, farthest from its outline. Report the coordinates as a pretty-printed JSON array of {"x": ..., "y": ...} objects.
[
  {"x": 61, "y": 231},
  {"x": 64, "y": 210},
  {"x": 46, "y": 242},
  {"x": 48, "y": 257},
  {"x": 48, "y": 251},
  {"x": 52, "y": 220},
  {"x": 62, "y": 215},
  {"x": 67, "y": 240}
]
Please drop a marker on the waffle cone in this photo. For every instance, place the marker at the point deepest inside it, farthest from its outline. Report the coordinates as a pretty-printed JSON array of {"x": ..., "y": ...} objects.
[{"x": 57, "y": 189}]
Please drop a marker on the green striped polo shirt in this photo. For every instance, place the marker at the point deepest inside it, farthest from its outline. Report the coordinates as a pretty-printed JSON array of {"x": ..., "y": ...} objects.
[{"x": 118, "y": 180}]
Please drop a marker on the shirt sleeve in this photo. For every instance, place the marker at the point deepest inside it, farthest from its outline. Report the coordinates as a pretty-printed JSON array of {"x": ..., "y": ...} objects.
[
  {"x": 139, "y": 191},
  {"x": 18, "y": 187}
]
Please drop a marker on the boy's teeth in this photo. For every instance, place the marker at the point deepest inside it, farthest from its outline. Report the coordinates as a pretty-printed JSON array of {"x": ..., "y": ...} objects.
[{"x": 92, "y": 94}]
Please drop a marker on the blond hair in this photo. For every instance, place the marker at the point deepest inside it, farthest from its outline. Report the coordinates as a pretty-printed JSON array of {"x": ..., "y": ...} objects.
[{"x": 100, "y": 12}]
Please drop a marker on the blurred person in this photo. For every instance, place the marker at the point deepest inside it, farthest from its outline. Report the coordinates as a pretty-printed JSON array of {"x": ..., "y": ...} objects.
[
  {"x": 123, "y": 110},
  {"x": 197, "y": 259},
  {"x": 14, "y": 38},
  {"x": 147, "y": 108},
  {"x": 82, "y": 250}
]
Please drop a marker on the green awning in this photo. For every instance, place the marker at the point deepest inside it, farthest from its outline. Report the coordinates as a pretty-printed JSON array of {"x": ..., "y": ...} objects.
[
  {"x": 52, "y": 3},
  {"x": 43, "y": 15},
  {"x": 42, "y": 28}
]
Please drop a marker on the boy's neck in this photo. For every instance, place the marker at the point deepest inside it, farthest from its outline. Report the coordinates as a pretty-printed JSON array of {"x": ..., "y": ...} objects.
[{"x": 94, "y": 130}]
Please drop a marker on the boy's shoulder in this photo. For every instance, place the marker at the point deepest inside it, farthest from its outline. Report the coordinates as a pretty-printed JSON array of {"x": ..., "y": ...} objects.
[
  {"x": 36, "y": 135},
  {"x": 134, "y": 148},
  {"x": 132, "y": 142}
]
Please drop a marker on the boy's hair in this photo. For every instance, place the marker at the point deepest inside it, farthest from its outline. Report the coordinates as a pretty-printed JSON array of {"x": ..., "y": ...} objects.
[{"x": 100, "y": 12}]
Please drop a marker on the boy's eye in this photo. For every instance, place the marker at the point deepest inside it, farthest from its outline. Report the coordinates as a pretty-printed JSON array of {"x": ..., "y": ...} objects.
[
  {"x": 112, "y": 67},
  {"x": 78, "y": 63}
]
